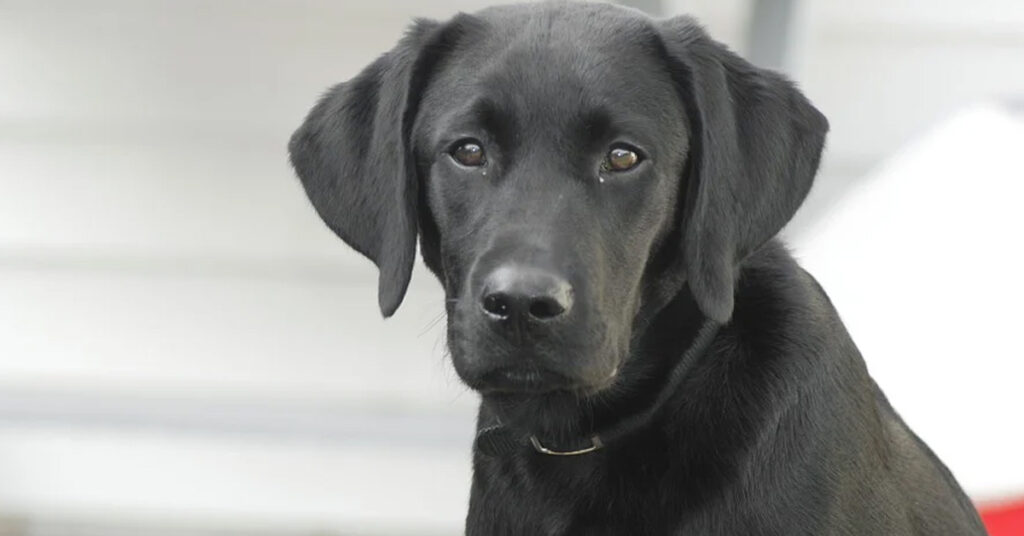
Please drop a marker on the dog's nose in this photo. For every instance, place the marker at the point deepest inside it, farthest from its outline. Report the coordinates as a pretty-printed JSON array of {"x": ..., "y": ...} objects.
[{"x": 525, "y": 292}]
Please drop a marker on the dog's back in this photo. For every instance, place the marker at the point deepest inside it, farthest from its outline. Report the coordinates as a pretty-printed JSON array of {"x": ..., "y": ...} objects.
[{"x": 934, "y": 498}]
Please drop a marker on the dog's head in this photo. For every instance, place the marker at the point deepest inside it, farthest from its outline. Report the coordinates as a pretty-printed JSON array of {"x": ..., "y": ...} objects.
[{"x": 568, "y": 169}]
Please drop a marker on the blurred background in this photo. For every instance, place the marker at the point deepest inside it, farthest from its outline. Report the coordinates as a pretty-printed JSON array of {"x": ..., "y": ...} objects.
[{"x": 186, "y": 350}]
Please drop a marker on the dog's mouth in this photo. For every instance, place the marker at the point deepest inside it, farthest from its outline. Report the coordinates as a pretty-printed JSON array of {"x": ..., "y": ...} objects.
[
  {"x": 517, "y": 382},
  {"x": 520, "y": 373},
  {"x": 524, "y": 381}
]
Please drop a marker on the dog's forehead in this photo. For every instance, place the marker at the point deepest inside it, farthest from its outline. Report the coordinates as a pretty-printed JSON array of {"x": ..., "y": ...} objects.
[
  {"x": 582, "y": 48},
  {"x": 550, "y": 60},
  {"x": 573, "y": 71},
  {"x": 527, "y": 20}
]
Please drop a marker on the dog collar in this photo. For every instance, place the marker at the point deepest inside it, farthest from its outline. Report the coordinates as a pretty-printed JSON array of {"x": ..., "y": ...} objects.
[
  {"x": 595, "y": 444},
  {"x": 498, "y": 439}
]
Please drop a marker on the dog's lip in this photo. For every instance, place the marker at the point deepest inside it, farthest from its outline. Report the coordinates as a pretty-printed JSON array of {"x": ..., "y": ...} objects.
[{"x": 524, "y": 380}]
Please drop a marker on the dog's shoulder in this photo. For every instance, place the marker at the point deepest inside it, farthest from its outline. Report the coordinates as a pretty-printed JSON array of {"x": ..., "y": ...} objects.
[
  {"x": 787, "y": 323},
  {"x": 781, "y": 307}
]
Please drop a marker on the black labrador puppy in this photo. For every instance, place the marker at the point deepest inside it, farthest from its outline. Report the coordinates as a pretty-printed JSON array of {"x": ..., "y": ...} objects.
[{"x": 598, "y": 193}]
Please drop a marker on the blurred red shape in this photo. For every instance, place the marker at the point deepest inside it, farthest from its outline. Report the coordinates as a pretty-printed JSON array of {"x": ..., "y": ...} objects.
[{"x": 1004, "y": 519}]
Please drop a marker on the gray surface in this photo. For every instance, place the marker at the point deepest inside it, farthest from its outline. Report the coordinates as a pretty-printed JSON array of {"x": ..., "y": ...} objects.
[
  {"x": 771, "y": 32},
  {"x": 656, "y": 8}
]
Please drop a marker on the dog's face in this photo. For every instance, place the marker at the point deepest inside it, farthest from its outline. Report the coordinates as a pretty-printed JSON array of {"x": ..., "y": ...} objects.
[
  {"x": 551, "y": 159},
  {"x": 569, "y": 168}
]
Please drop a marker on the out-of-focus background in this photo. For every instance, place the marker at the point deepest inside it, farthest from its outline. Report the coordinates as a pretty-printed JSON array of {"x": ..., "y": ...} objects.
[{"x": 186, "y": 350}]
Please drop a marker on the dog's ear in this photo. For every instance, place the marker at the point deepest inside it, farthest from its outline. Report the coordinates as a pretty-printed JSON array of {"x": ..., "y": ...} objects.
[
  {"x": 754, "y": 150},
  {"x": 354, "y": 158}
]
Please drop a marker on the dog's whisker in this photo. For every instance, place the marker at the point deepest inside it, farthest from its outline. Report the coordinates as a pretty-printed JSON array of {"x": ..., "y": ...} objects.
[{"x": 433, "y": 323}]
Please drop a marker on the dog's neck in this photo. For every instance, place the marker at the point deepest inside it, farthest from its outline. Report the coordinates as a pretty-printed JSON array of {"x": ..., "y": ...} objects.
[{"x": 661, "y": 355}]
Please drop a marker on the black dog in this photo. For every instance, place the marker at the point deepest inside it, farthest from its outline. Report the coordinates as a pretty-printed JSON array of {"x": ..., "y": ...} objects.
[{"x": 598, "y": 193}]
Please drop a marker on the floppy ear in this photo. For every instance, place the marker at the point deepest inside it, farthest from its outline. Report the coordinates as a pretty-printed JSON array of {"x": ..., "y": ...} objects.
[
  {"x": 353, "y": 156},
  {"x": 755, "y": 146}
]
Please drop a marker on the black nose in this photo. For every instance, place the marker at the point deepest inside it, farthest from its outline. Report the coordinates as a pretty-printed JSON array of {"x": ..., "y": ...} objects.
[{"x": 514, "y": 291}]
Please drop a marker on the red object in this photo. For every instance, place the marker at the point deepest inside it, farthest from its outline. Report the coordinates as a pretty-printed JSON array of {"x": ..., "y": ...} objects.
[{"x": 1004, "y": 519}]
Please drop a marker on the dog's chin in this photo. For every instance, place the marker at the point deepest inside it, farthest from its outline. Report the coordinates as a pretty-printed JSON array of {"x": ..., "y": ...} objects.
[
  {"x": 554, "y": 410},
  {"x": 552, "y": 414},
  {"x": 530, "y": 396},
  {"x": 526, "y": 383}
]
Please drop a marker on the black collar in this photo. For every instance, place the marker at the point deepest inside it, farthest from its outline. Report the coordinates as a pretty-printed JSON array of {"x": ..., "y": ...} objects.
[{"x": 496, "y": 439}]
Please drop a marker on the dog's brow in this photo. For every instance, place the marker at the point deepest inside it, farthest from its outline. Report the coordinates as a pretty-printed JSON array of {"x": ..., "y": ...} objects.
[
  {"x": 492, "y": 118},
  {"x": 596, "y": 123},
  {"x": 603, "y": 124}
]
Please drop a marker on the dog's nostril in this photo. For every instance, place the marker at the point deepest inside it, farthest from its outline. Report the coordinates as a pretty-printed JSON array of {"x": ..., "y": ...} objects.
[
  {"x": 545, "y": 307},
  {"x": 498, "y": 304}
]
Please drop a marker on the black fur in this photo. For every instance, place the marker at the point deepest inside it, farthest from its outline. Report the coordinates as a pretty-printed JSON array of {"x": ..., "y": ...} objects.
[{"x": 775, "y": 427}]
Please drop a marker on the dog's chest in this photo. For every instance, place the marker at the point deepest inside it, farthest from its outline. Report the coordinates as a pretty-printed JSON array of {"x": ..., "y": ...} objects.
[{"x": 533, "y": 494}]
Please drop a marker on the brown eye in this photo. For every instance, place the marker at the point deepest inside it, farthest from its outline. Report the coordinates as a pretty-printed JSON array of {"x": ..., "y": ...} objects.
[
  {"x": 469, "y": 153},
  {"x": 620, "y": 159}
]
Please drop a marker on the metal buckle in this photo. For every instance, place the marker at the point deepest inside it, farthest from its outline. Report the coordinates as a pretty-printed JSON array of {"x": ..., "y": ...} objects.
[{"x": 595, "y": 444}]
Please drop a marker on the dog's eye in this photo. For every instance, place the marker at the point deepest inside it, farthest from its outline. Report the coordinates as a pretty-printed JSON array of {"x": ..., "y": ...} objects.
[
  {"x": 620, "y": 158},
  {"x": 469, "y": 153}
]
